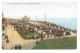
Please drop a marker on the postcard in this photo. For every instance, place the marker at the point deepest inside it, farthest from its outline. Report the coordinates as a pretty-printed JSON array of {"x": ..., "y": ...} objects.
[{"x": 39, "y": 25}]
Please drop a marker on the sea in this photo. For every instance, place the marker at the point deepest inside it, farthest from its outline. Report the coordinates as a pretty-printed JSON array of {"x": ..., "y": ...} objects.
[{"x": 70, "y": 23}]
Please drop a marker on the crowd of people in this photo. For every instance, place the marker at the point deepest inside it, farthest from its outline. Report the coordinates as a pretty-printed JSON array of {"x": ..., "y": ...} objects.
[
  {"x": 45, "y": 30},
  {"x": 49, "y": 31}
]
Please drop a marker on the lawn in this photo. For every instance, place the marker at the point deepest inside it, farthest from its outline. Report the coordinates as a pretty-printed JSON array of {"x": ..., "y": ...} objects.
[
  {"x": 24, "y": 35},
  {"x": 60, "y": 43}
]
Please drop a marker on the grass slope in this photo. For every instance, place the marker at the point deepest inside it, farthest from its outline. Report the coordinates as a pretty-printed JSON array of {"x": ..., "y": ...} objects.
[
  {"x": 24, "y": 36},
  {"x": 60, "y": 43}
]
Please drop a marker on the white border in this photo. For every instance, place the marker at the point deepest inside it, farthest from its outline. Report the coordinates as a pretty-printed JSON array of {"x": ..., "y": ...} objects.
[{"x": 43, "y": 51}]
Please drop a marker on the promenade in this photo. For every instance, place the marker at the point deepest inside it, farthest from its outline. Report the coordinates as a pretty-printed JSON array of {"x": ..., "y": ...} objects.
[{"x": 14, "y": 39}]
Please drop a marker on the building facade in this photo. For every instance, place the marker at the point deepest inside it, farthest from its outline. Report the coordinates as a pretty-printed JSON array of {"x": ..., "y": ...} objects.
[{"x": 25, "y": 19}]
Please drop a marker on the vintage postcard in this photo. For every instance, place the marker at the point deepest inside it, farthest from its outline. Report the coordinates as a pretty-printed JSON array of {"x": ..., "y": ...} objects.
[{"x": 39, "y": 25}]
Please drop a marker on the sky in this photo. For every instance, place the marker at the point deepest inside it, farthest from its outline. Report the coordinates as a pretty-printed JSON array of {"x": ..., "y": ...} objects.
[{"x": 32, "y": 9}]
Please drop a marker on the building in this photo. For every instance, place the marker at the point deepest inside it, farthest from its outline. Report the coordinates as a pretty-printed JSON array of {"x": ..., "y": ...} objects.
[{"x": 25, "y": 19}]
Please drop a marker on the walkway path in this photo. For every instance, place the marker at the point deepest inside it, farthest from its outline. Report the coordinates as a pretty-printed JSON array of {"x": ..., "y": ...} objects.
[{"x": 14, "y": 39}]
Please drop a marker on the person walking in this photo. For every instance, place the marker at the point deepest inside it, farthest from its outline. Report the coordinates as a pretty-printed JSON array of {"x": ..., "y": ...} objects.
[{"x": 41, "y": 36}]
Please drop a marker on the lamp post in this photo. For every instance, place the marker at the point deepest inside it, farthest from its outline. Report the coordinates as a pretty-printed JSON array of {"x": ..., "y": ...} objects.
[
  {"x": 45, "y": 18},
  {"x": 35, "y": 20}
]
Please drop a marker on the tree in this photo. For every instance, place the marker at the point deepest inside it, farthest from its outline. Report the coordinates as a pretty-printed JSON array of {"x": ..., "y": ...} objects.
[{"x": 3, "y": 20}]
